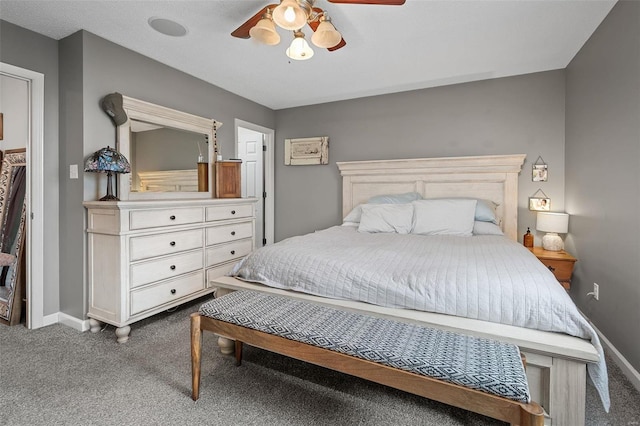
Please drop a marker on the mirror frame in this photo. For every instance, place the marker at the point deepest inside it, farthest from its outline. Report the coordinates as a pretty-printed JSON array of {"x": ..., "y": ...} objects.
[
  {"x": 11, "y": 309},
  {"x": 156, "y": 114}
]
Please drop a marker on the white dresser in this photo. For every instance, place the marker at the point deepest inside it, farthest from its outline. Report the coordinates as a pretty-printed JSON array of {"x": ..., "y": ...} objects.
[{"x": 145, "y": 257}]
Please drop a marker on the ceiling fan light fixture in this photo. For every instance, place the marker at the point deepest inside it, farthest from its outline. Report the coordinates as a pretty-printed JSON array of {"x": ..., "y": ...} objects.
[
  {"x": 326, "y": 35},
  {"x": 265, "y": 31},
  {"x": 289, "y": 15},
  {"x": 299, "y": 49}
]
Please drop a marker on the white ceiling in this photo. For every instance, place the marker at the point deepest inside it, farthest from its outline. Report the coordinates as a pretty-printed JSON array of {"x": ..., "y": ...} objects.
[{"x": 424, "y": 43}]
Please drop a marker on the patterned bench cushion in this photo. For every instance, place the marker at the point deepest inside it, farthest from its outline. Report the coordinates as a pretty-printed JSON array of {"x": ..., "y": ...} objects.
[{"x": 483, "y": 364}]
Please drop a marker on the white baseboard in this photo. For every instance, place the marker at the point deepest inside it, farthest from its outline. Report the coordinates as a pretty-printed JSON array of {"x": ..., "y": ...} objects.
[
  {"x": 627, "y": 369},
  {"x": 50, "y": 319},
  {"x": 73, "y": 322}
]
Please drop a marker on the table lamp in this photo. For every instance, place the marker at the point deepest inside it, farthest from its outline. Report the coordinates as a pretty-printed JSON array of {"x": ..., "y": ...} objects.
[
  {"x": 109, "y": 161},
  {"x": 552, "y": 224}
]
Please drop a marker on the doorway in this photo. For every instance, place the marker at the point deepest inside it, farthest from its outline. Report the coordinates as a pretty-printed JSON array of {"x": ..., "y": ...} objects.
[
  {"x": 255, "y": 147},
  {"x": 34, "y": 134}
]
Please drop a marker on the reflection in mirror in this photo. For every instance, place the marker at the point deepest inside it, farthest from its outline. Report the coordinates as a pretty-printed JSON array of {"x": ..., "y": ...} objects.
[
  {"x": 165, "y": 159},
  {"x": 12, "y": 223},
  {"x": 170, "y": 152}
]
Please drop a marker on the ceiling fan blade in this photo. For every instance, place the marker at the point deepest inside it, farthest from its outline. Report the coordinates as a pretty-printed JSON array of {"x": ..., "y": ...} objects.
[
  {"x": 243, "y": 30},
  {"x": 338, "y": 46},
  {"x": 314, "y": 26},
  {"x": 380, "y": 2}
]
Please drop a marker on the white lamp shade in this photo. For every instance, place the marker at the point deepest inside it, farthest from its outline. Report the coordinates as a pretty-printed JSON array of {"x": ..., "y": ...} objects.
[
  {"x": 265, "y": 32},
  {"x": 552, "y": 222},
  {"x": 289, "y": 15},
  {"x": 299, "y": 49},
  {"x": 326, "y": 35}
]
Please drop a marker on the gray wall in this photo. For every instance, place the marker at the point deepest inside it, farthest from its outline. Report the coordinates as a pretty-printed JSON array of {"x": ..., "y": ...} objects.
[
  {"x": 603, "y": 179},
  {"x": 97, "y": 67},
  {"x": 515, "y": 115},
  {"x": 26, "y": 49},
  {"x": 72, "y": 241}
]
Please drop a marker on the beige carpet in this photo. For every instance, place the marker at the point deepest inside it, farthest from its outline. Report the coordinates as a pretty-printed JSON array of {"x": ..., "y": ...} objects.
[{"x": 58, "y": 376}]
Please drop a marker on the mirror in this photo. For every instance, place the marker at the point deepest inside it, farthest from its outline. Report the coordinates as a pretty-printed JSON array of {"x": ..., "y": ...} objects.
[
  {"x": 170, "y": 153},
  {"x": 164, "y": 159},
  {"x": 13, "y": 175}
]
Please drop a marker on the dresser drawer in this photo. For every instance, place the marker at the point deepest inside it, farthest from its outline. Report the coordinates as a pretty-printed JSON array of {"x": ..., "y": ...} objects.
[
  {"x": 229, "y": 212},
  {"x": 142, "y": 219},
  {"x": 161, "y": 244},
  {"x": 225, "y": 233},
  {"x": 165, "y": 292},
  {"x": 217, "y": 272},
  {"x": 561, "y": 269},
  {"x": 229, "y": 251},
  {"x": 165, "y": 267}
]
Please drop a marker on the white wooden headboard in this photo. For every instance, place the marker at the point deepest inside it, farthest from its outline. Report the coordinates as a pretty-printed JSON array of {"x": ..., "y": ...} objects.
[{"x": 490, "y": 177}]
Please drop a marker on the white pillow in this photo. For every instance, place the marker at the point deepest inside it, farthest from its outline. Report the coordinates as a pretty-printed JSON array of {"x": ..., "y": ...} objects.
[
  {"x": 486, "y": 228},
  {"x": 444, "y": 217},
  {"x": 354, "y": 215},
  {"x": 386, "y": 218}
]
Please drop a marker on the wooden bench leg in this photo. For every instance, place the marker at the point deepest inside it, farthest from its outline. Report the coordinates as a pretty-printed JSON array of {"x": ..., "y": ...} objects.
[
  {"x": 196, "y": 352},
  {"x": 238, "y": 352}
]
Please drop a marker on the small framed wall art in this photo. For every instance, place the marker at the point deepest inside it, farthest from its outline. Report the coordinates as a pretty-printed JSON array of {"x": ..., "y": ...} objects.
[
  {"x": 539, "y": 202},
  {"x": 306, "y": 151},
  {"x": 539, "y": 170}
]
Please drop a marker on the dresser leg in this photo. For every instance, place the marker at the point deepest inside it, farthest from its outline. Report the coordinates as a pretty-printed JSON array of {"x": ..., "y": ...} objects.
[
  {"x": 122, "y": 333},
  {"x": 94, "y": 325}
]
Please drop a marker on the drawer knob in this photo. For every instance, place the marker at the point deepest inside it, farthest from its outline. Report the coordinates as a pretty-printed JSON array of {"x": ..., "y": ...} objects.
[
  {"x": 173, "y": 291},
  {"x": 172, "y": 243},
  {"x": 551, "y": 268},
  {"x": 172, "y": 267},
  {"x": 172, "y": 217},
  {"x": 233, "y": 212},
  {"x": 233, "y": 252},
  {"x": 233, "y": 232}
]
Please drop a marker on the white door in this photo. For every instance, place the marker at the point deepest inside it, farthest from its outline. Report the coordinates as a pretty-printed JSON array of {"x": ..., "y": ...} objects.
[
  {"x": 257, "y": 174},
  {"x": 31, "y": 83}
]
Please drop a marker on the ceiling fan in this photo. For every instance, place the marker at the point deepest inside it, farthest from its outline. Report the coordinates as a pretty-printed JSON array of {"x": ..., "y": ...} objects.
[{"x": 292, "y": 15}]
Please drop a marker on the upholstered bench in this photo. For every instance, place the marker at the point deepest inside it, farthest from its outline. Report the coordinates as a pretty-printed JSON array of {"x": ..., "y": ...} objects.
[{"x": 481, "y": 375}]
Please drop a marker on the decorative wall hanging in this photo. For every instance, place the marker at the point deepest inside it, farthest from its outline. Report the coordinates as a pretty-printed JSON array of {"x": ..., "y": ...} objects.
[
  {"x": 539, "y": 170},
  {"x": 539, "y": 204},
  {"x": 306, "y": 151}
]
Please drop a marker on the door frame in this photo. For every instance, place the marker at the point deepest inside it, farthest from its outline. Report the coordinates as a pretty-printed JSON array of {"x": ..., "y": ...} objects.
[
  {"x": 35, "y": 193},
  {"x": 268, "y": 168}
]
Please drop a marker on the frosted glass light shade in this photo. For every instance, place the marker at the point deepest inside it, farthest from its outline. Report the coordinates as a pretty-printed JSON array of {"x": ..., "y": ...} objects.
[
  {"x": 265, "y": 32},
  {"x": 299, "y": 49},
  {"x": 326, "y": 35},
  {"x": 289, "y": 15}
]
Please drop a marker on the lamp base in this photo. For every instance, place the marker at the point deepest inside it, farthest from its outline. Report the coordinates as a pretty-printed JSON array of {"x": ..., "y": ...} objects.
[
  {"x": 552, "y": 242},
  {"x": 109, "y": 197}
]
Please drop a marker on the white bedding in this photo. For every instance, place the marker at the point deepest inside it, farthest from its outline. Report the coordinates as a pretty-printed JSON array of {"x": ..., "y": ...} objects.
[{"x": 487, "y": 277}]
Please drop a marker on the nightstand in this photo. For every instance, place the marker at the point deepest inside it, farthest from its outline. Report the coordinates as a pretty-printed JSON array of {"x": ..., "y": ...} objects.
[{"x": 558, "y": 262}]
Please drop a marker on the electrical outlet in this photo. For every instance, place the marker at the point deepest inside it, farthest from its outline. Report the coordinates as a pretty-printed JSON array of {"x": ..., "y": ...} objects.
[{"x": 596, "y": 291}]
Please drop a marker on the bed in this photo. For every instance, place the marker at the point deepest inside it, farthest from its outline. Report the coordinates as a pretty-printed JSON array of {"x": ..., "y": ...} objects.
[{"x": 556, "y": 361}]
